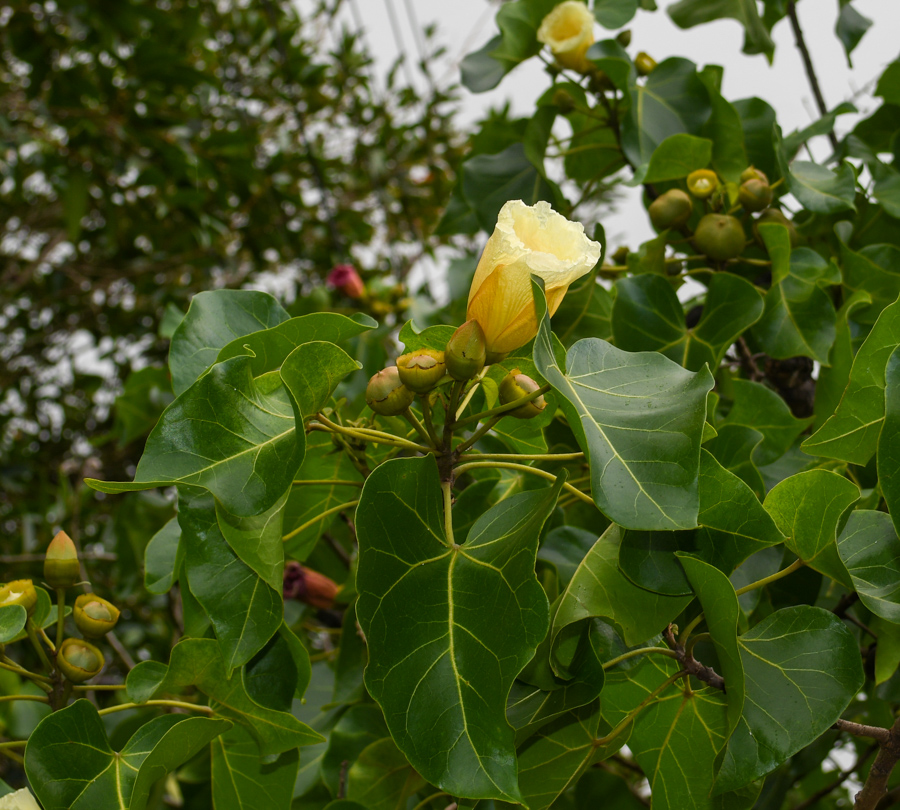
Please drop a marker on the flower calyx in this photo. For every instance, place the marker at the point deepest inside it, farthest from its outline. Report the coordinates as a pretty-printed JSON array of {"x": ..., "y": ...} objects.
[
  {"x": 466, "y": 353},
  {"x": 386, "y": 394},
  {"x": 516, "y": 386},
  {"x": 421, "y": 370},
  {"x": 19, "y": 592},
  {"x": 79, "y": 660},
  {"x": 61, "y": 567},
  {"x": 94, "y": 616}
]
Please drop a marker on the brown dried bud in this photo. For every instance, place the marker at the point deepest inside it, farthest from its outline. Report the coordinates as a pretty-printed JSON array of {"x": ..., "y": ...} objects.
[{"x": 308, "y": 586}]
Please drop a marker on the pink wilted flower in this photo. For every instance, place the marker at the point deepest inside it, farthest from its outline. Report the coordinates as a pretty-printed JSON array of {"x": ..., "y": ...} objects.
[{"x": 344, "y": 277}]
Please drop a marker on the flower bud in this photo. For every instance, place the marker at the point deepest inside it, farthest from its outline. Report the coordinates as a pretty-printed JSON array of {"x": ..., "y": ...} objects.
[
  {"x": 702, "y": 183},
  {"x": 308, "y": 586},
  {"x": 568, "y": 30},
  {"x": 344, "y": 277},
  {"x": 61, "y": 569},
  {"x": 644, "y": 64},
  {"x": 465, "y": 354},
  {"x": 19, "y": 592},
  {"x": 755, "y": 194},
  {"x": 94, "y": 616},
  {"x": 421, "y": 370},
  {"x": 79, "y": 660},
  {"x": 774, "y": 215},
  {"x": 621, "y": 255},
  {"x": 386, "y": 395},
  {"x": 751, "y": 173},
  {"x": 624, "y": 38},
  {"x": 514, "y": 387},
  {"x": 670, "y": 210},
  {"x": 719, "y": 236}
]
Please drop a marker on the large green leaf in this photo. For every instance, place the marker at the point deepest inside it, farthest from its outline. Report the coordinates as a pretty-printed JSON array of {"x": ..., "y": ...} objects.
[
  {"x": 799, "y": 317},
  {"x": 244, "y": 609},
  {"x": 448, "y": 626},
  {"x": 163, "y": 557},
  {"x": 359, "y": 727},
  {"x": 757, "y": 121},
  {"x": 12, "y": 622},
  {"x": 639, "y": 418},
  {"x": 530, "y": 707},
  {"x": 889, "y": 440},
  {"x": 677, "y": 156},
  {"x": 870, "y": 549},
  {"x": 724, "y": 129},
  {"x": 599, "y": 589},
  {"x": 257, "y": 540},
  {"x": 819, "y": 189},
  {"x": 241, "y": 781},
  {"x": 586, "y": 311},
  {"x": 851, "y": 434},
  {"x": 811, "y": 508},
  {"x": 198, "y": 662},
  {"x": 850, "y": 28},
  {"x": 676, "y": 738},
  {"x": 647, "y": 316},
  {"x": 801, "y": 668},
  {"x": 214, "y": 320},
  {"x": 760, "y": 408},
  {"x": 312, "y": 371},
  {"x": 875, "y": 269},
  {"x": 382, "y": 779},
  {"x": 71, "y": 765},
  {"x": 230, "y": 432},
  {"x": 672, "y": 101},
  {"x": 688, "y": 13}
]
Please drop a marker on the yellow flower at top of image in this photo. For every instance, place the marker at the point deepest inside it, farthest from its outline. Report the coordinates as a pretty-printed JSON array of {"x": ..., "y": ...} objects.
[
  {"x": 568, "y": 31},
  {"x": 528, "y": 239},
  {"x": 20, "y": 800}
]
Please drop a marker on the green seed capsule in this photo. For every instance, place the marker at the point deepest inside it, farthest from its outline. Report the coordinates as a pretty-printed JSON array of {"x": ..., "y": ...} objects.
[
  {"x": 670, "y": 210},
  {"x": 79, "y": 660},
  {"x": 421, "y": 370},
  {"x": 94, "y": 616},
  {"x": 386, "y": 394},
  {"x": 719, "y": 236},
  {"x": 516, "y": 386},
  {"x": 755, "y": 195}
]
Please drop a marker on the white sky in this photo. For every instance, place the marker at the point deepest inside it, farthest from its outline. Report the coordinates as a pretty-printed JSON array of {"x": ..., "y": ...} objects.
[{"x": 465, "y": 25}]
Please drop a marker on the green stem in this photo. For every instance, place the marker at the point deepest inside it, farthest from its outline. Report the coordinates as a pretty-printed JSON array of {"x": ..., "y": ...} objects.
[
  {"x": 425, "y": 802},
  {"x": 25, "y": 673},
  {"x": 535, "y": 457},
  {"x": 474, "y": 465},
  {"x": 410, "y": 417},
  {"x": 13, "y": 744},
  {"x": 31, "y": 631},
  {"x": 624, "y": 723},
  {"x": 317, "y": 518},
  {"x": 60, "y": 616},
  {"x": 463, "y": 446},
  {"x": 502, "y": 409},
  {"x": 447, "y": 488},
  {"x": 686, "y": 633},
  {"x": 327, "y": 482},
  {"x": 429, "y": 420},
  {"x": 369, "y": 435},
  {"x": 794, "y": 566},
  {"x": 175, "y": 704},
  {"x": 103, "y": 687},
  {"x": 635, "y": 653},
  {"x": 50, "y": 645},
  {"x": 471, "y": 392},
  {"x": 449, "y": 415},
  {"x": 37, "y": 698}
]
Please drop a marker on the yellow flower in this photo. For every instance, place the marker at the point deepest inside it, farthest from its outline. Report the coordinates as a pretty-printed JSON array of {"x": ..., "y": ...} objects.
[
  {"x": 568, "y": 31},
  {"x": 20, "y": 800},
  {"x": 527, "y": 239}
]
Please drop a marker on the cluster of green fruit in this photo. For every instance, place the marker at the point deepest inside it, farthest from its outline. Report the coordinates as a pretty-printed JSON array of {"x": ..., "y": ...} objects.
[
  {"x": 76, "y": 659},
  {"x": 719, "y": 236},
  {"x": 392, "y": 390}
]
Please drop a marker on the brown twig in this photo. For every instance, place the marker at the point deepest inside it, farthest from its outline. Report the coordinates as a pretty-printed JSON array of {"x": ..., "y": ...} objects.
[
  {"x": 877, "y": 733},
  {"x": 875, "y": 786},
  {"x": 841, "y": 778},
  {"x": 808, "y": 65},
  {"x": 691, "y": 665}
]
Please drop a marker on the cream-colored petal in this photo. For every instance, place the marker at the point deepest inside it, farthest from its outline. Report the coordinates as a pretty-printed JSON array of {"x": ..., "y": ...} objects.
[
  {"x": 568, "y": 31},
  {"x": 20, "y": 800}
]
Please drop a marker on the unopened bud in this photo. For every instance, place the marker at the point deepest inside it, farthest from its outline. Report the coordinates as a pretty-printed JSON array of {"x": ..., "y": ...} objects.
[
  {"x": 516, "y": 386},
  {"x": 421, "y": 370},
  {"x": 465, "y": 354},
  {"x": 79, "y": 660},
  {"x": 308, "y": 586},
  {"x": 61, "y": 569},
  {"x": 624, "y": 38},
  {"x": 94, "y": 616},
  {"x": 755, "y": 194},
  {"x": 386, "y": 394},
  {"x": 344, "y": 277},
  {"x": 670, "y": 210},
  {"x": 751, "y": 173},
  {"x": 644, "y": 64},
  {"x": 702, "y": 183},
  {"x": 19, "y": 592}
]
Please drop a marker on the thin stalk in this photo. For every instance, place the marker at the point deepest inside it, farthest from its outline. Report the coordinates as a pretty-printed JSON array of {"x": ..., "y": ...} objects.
[
  {"x": 536, "y": 457},
  {"x": 428, "y": 417},
  {"x": 327, "y": 482},
  {"x": 429, "y": 799},
  {"x": 624, "y": 723},
  {"x": 60, "y": 615},
  {"x": 463, "y": 446},
  {"x": 449, "y": 414},
  {"x": 317, "y": 518},
  {"x": 447, "y": 488},
  {"x": 369, "y": 435},
  {"x": 25, "y": 673},
  {"x": 635, "y": 653},
  {"x": 51, "y": 646},
  {"x": 36, "y": 698},
  {"x": 502, "y": 409},
  {"x": 471, "y": 392},
  {"x": 473, "y": 465},
  {"x": 13, "y": 756},
  {"x": 13, "y": 744},
  {"x": 175, "y": 704},
  {"x": 686, "y": 633},
  {"x": 794, "y": 566},
  {"x": 36, "y": 643},
  {"x": 410, "y": 417},
  {"x": 100, "y": 687}
]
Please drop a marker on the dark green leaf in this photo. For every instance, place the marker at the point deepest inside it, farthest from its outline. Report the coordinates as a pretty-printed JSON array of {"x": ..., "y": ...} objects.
[
  {"x": 757, "y": 120},
  {"x": 312, "y": 371},
  {"x": 823, "y": 126},
  {"x": 876, "y": 270},
  {"x": 870, "y": 550},
  {"x": 163, "y": 557},
  {"x": 810, "y": 509},
  {"x": 359, "y": 727},
  {"x": 435, "y": 613},
  {"x": 677, "y": 156},
  {"x": 888, "y": 86},
  {"x": 613, "y": 14},
  {"x": 729, "y": 157},
  {"x": 434, "y": 337},
  {"x": 382, "y": 779},
  {"x": 850, "y": 28},
  {"x": 12, "y": 622},
  {"x": 851, "y": 433},
  {"x": 215, "y": 319},
  {"x": 641, "y": 477},
  {"x": 688, "y": 13},
  {"x": 819, "y": 189},
  {"x": 889, "y": 440}
]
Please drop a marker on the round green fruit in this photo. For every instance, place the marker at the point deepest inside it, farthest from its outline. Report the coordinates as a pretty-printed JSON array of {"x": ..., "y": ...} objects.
[
  {"x": 670, "y": 210},
  {"x": 720, "y": 237}
]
